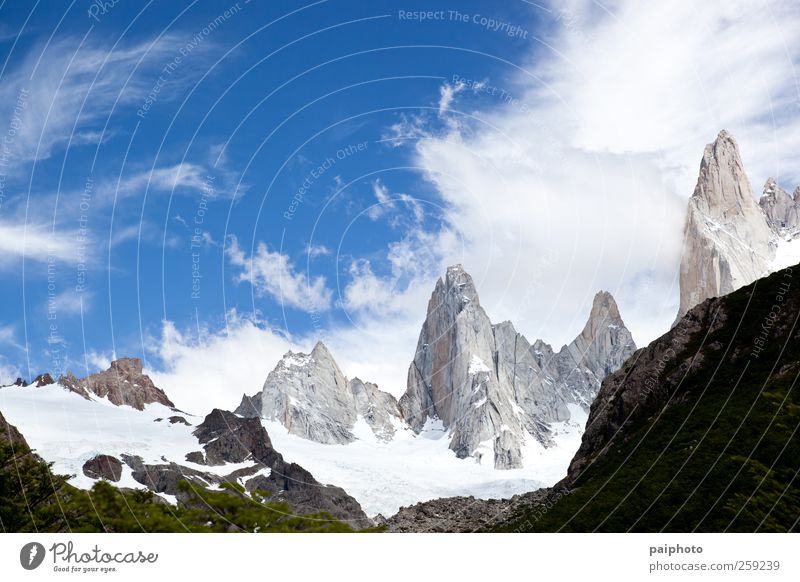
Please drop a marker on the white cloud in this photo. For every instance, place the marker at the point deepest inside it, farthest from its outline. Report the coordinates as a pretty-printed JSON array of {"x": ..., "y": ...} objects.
[
  {"x": 576, "y": 174},
  {"x": 8, "y": 337},
  {"x": 387, "y": 203},
  {"x": 447, "y": 93},
  {"x": 34, "y": 243},
  {"x": 272, "y": 273},
  {"x": 384, "y": 201},
  {"x": 314, "y": 251},
  {"x": 243, "y": 354},
  {"x": 8, "y": 372},
  {"x": 665, "y": 79}
]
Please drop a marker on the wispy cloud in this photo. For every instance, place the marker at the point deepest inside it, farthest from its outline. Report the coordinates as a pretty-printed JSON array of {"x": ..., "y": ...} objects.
[
  {"x": 70, "y": 302},
  {"x": 272, "y": 273},
  {"x": 316, "y": 250},
  {"x": 178, "y": 178},
  {"x": 387, "y": 202},
  {"x": 62, "y": 90},
  {"x": 34, "y": 243}
]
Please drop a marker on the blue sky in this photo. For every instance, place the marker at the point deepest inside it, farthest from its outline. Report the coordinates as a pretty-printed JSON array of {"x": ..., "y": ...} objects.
[{"x": 199, "y": 183}]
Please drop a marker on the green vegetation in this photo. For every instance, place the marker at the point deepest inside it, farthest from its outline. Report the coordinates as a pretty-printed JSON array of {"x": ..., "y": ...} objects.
[
  {"x": 33, "y": 499},
  {"x": 725, "y": 454}
]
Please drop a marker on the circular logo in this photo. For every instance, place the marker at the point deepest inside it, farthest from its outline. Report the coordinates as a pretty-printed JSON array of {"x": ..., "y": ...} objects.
[{"x": 31, "y": 555}]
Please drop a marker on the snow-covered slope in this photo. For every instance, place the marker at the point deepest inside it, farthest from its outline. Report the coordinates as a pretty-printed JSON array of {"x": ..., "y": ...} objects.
[
  {"x": 384, "y": 475},
  {"x": 68, "y": 430},
  {"x": 157, "y": 447}
]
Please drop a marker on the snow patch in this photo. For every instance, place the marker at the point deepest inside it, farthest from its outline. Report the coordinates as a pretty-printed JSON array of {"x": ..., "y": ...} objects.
[{"x": 476, "y": 365}]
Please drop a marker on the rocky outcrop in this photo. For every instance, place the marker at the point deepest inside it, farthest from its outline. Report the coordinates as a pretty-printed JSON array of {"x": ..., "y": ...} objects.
[
  {"x": 489, "y": 386},
  {"x": 308, "y": 394},
  {"x": 781, "y": 209},
  {"x": 228, "y": 438},
  {"x": 250, "y": 406},
  {"x": 103, "y": 467},
  {"x": 466, "y": 514},
  {"x": 379, "y": 409},
  {"x": 727, "y": 240},
  {"x": 43, "y": 380},
  {"x": 312, "y": 398},
  {"x": 123, "y": 384},
  {"x": 454, "y": 375}
]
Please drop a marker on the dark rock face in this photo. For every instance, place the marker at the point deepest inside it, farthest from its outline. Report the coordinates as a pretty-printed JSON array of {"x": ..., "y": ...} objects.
[
  {"x": 250, "y": 406},
  {"x": 196, "y": 457},
  {"x": 43, "y": 380},
  {"x": 124, "y": 383},
  {"x": 165, "y": 478},
  {"x": 228, "y": 438},
  {"x": 178, "y": 419},
  {"x": 103, "y": 467}
]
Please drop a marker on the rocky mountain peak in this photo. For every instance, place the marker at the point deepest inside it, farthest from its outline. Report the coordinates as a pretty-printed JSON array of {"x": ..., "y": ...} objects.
[
  {"x": 124, "y": 384},
  {"x": 604, "y": 313},
  {"x": 310, "y": 396},
  {"x": 43, "y": 380},
  {"x": 727, "y": 238},
  {"x": 127, "y": 367},
  {"x": 489, "y": 387},
  {"x": 723, "y": 190},
  {"x": 320, "y": 349},
  {"x": 459, "y": 286}
]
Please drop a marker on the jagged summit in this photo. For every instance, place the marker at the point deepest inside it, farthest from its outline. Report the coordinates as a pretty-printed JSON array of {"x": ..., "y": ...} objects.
[
  {"x": 489, "y": 387},
  {"x": 723, "y": 190},
  {"x": 310, "y": 396},
  {"x": 726, "y": 234},
  {"x": 460, "y": 285},
  {"x": 604, "y": 313}
]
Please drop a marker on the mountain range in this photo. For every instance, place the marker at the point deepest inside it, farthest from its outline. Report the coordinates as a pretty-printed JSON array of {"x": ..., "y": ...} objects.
[{"x": 485, "y": 412}]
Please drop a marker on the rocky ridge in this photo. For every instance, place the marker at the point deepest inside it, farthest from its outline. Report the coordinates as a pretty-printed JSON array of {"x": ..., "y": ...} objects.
[
  {"x": 487, "y": 385},
  {"x": 123, "y": 384}
]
